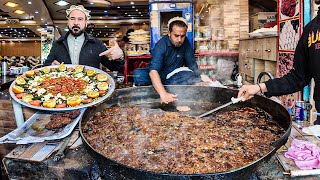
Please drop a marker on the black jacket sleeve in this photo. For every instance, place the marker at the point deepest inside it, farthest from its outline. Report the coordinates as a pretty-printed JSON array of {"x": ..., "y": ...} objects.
[
  {"x": 51, "y": 57},
  {"x": 298, "y": 77}
]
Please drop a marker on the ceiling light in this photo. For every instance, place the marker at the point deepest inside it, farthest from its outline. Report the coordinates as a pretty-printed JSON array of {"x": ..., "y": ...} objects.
[
  {"x": 131, "y": 2},
  {"x": 105, "y": 11},
  {"x": 41, "y": 19},
  {"x": 136, "y": 9},
  {"x": 100, "y": 17},
  {"x": 23, "y": 26},
  {"x": 61, "y": 3},
  {"x": 126, "y": 13},
  {"x": 133, "y": 7},
  {"x": 91, "y": 3},
  {"x": 118, "y": 7},
  {"x": 141, "y": 15},
  {"x": 106, "y": 26},
  {"x": 36, "y": 12},
  {"x": 29, "y": 2},
  {"x": 129, "y": 15},
  {"x": 19, "y": 11},
  {"x": 11, "y": 4}
]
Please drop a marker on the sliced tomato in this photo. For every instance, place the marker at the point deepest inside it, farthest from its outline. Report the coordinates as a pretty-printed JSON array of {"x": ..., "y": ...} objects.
[
  {"x": 36, "y": 71},
  {"x": 35, "y": 103},
  {"x": 19, "y": 96},
  {"x": 61, "y": 105},
  {"x": 101, "y": 93},
  {"x": 70, "y": 69},
  {"x": 86, "y": 101}
]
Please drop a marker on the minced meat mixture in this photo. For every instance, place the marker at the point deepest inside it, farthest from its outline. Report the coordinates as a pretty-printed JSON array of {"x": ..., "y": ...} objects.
[{"x": 169, "y": 142}]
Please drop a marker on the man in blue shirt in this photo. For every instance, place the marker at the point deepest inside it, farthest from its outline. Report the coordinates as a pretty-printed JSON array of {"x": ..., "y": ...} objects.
[{"x": 170, "y": 54}]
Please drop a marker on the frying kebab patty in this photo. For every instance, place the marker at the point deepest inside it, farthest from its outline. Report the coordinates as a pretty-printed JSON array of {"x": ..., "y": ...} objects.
[
  {"x": 61, "y": 119},
  {"x": 170, "y": 142}
]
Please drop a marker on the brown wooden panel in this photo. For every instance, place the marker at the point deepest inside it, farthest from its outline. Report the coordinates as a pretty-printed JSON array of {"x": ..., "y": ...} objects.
[
  {"x": 269, "y": 49},
  {"x": 30, "y": 151},
  {"x": 28, "y": 48}
]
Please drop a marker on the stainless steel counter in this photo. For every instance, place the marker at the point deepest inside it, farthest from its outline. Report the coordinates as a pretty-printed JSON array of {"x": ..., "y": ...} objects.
[{"x": 6, "y": 80}]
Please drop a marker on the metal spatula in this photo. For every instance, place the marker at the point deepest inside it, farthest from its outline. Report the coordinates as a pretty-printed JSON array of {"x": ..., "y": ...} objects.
[{"x": 233, "y": 101}]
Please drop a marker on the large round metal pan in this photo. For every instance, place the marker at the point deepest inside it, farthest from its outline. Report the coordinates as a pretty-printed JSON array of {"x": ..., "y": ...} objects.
[
  {"x": 111, "y": 88},
  {"x": 200, "y": 99}
]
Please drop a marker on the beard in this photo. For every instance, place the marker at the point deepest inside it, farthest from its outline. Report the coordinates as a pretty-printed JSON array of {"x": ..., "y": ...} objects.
[
  {"x": 176, "y": 44},
  {"x": 76, "y": 31}
]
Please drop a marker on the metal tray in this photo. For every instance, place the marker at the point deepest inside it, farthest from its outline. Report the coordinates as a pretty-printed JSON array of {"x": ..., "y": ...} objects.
[{"x": 111, "y": 88}]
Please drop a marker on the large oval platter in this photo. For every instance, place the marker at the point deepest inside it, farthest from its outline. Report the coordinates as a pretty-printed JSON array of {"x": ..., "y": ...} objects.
[{"x": 63, "y": 93}]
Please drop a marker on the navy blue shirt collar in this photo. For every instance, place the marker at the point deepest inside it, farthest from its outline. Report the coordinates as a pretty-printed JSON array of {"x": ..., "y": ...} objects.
[{"x": 167, "y": 39}]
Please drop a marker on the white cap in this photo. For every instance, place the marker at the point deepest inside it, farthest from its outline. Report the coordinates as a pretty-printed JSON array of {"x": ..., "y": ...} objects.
[
  {"x": 178, "y": 19},
  {"x": 80, "y": 8}
]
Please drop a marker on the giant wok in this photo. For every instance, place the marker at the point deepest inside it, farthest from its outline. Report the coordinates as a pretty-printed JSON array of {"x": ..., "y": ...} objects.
[{"x": 200, "y": 99}]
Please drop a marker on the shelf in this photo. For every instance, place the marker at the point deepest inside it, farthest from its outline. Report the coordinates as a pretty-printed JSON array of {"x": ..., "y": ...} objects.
[
  {"x": 209, "y": 39},
  {"x": 209, "y": 67},
  {"x": 146, "y": 56},
  {"x": 208, "y": 53}
]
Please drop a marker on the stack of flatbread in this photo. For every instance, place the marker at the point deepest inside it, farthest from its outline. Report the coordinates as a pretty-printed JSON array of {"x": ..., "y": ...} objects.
[{"x": 139, "y": 36}]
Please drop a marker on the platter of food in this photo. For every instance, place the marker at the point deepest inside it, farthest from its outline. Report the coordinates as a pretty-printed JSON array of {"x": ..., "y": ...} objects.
[{"x": 62, "y": 87}]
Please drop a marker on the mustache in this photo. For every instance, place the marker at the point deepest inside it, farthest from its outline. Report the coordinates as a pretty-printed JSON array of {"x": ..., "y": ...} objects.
[{"x": 75, "y": 27}]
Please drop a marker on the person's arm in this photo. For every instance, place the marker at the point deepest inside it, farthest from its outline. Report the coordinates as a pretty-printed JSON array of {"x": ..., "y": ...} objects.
[
  {"x": 52, "y": 55},
  {"x": 292, "y": 82},
  {"x": 155, "y": 66},
  {"x": 248, "y": 91},
  {"x": 107, "y": 54},
  {"x": 298, "y": 77},
  {"x": 190, "y": 59},
  {"x": 158, "y": 86}
]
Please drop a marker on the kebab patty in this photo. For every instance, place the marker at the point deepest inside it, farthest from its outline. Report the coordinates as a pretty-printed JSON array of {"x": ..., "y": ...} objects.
[{"x": 61, "y": 119}]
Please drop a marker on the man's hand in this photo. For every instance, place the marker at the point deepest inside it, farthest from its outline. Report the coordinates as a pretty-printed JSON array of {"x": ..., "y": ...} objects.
[
  {"x": 168, "y": 98},
  {"x": 114, "y": 52},
  {"x": 55, "y": 62},
  {"x": 248, "y": 91}
]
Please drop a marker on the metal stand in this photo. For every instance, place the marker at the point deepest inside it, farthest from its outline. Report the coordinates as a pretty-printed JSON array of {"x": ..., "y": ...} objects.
[{"x": 17, "y": 108}]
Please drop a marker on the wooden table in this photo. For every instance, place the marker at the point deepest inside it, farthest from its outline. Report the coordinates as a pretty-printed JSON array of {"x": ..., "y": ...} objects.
[{"x": 288, "y": 164}]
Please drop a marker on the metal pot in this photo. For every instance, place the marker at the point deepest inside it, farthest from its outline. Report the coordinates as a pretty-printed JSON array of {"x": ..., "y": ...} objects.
[{"x": 200, "y": 99}]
